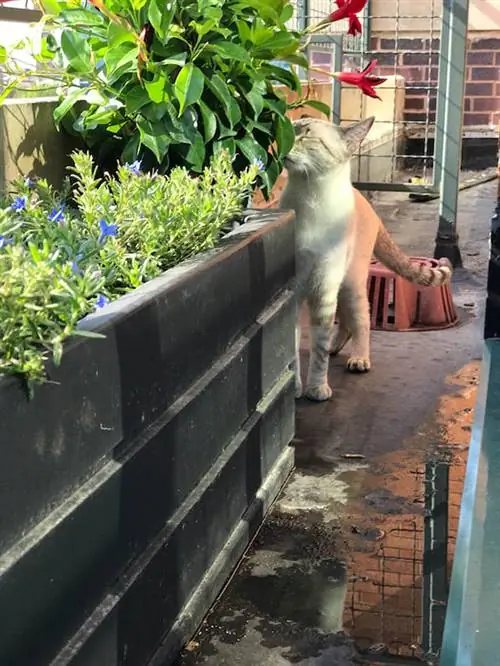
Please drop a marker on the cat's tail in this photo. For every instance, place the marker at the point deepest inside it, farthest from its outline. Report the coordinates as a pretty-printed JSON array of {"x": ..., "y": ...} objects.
[{"x": 394, "y": 258}]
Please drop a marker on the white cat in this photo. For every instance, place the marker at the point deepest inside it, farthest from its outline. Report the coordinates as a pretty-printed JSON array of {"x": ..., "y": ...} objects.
[{"x": 337, "y": 232}]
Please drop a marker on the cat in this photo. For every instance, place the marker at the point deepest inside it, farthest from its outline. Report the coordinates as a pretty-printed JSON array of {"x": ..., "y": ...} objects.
[{"x": 337, "y": 232}]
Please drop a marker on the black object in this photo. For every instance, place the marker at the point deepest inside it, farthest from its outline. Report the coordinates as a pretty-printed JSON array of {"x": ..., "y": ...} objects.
[{"x": 130, "y": 490}]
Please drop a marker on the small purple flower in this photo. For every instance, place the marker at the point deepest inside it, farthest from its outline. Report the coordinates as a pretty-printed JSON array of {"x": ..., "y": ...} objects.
[
  {"x": 29, "y": 183},
  {"x": 259, "y": 164},
  {"x": 57, "y": 215},
  {"x": 101, "y": 302},
  {"x": 5, "y": 241},
  {"x": 134, "y": 167},
  {"x": 75, "y": 268},
  {"x": 107, "y": 230},
  {"x": 18, "y": 204}
]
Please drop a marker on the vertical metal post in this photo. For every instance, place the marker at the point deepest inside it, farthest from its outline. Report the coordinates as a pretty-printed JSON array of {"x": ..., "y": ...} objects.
[
  {"x": 454, "y": 48},
  {"x": 338, "y": 57},
  {"x": 492, "y": 316},
  {"x": 441, "y": 101},
  {"x": 302, "y": 23},
  {"x": 435, "y": 565}
]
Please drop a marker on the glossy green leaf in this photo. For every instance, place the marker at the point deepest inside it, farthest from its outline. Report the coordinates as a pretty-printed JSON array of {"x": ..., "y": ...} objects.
[
  {"x": 160, "y": 14},
  {"x": 196, "y": 153},
  {"x": 118, "y": 34},
  {"x": 226, "y": 144},
  {"x": 121, "y": 60},
  {"x": 255, "y": 99},
  {"x": 209, "y": 121},
  {"x": 287, "y": 12},
  {"x": 285, "y": 135},
  {"x": 221, "y": 91},
  {"x": 156, "y": 88},
  {"x": 319, "y": 106},
  {"x": 68, "y": 102},
  {"x": 188, "y": 86},
  {"x": 297, "y": 59},
  {"x": 135, "y": 99},
  {"x": 154, "y": 137},
  {"x": 3, "y": 55},
  {"x": 77, "y": 16},
  {"x": 231, "y": 51},
  {"x": 76, "y": 49},
  {"x": 251, "y": 149}
]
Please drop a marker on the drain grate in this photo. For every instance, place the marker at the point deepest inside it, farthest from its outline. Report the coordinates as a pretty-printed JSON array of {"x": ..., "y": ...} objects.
[{"x": 399, "y": 305}]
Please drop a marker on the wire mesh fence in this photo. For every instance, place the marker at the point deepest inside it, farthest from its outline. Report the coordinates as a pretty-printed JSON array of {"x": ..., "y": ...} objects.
[{"x": 406, "y": 45}]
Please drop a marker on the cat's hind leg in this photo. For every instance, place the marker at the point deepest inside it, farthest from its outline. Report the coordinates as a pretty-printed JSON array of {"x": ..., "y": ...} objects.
[{"x": 342, "y": 333}]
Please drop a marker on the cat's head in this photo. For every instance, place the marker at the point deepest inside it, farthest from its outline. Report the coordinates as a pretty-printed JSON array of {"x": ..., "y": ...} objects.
[{"x": 321, "y": 146}]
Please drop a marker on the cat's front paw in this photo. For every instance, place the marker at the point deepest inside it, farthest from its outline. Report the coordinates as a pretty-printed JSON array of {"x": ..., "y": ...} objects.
[
  {"x": 319, "y": 393},
  {"x": 358, "y": 364}
]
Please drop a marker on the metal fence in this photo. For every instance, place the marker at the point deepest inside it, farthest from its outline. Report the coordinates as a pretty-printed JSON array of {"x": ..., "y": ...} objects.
[{"x": 419, "y": 144}]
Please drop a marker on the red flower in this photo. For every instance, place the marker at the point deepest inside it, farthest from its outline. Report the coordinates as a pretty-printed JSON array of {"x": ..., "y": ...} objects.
[
  {"x": 363, "y": 80},
  {"x": 348, "y": 9}
]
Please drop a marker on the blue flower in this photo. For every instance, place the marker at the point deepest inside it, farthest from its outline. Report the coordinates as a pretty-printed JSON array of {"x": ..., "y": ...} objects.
[
  {"x": 134, "y": 167},
  {"x": 107, "y": 230},
  {"x": 260, "y": 164},
  {"x": 29, "y": 183},
  {"x": 5, "y": 241},
  {"x": 57, "y": 215},
  {"x": 18, "y": 204},
  {"x": 101, "y": 302}
]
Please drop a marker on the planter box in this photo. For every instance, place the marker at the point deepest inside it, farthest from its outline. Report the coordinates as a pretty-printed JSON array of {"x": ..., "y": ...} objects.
[{"x": 130, "y": 490}]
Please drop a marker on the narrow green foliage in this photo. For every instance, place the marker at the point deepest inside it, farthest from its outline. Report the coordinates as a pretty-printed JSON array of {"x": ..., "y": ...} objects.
[{"x": 61, "y": 261}]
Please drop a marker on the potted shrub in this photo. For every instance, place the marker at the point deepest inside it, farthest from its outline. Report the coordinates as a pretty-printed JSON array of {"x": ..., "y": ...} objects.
[
  {"x": 170, "y": 83},
  {"x": 133, "y": 476}
]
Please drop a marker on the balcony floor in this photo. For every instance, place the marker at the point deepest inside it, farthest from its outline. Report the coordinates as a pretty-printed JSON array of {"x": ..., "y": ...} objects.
[{"x": 336, "y": 574}]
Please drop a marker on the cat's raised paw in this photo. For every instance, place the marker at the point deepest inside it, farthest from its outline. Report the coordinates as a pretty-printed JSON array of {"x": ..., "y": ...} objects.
[
  {"x": 298, "y": 390},
  {"x": 319, "y": 393},
  {"x": 358, "y": 364}
]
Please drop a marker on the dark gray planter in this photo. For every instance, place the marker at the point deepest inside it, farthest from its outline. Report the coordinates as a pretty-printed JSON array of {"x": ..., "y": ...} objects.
[{"x": 129, "y": 491}]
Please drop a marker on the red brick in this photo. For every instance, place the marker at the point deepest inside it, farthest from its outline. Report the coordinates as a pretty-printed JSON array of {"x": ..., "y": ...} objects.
[
  {"x": 412, "y": 73},
  {"x": 479, "y": 119},
  {"x": 485, "y": 44},
  {"x": 423, "y": 59},
  {"x": 479, "y": 89},
  {"x": 482, "y": 104},
  {"x": 480, "y": 58},
  {"x": 484, "y": 74},
  {"x": 415, "y": 103},
  {"x": 412, "y": 44}
]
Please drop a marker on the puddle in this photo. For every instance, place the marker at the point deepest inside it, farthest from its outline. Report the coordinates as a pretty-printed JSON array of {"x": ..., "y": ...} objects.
[{"x": 352, "y": 566}]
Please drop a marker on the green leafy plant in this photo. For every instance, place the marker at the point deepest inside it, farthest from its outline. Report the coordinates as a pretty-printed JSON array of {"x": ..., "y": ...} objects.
[
  {"x": 60, "y": 258},
  {"x": 173, "y": 82}
]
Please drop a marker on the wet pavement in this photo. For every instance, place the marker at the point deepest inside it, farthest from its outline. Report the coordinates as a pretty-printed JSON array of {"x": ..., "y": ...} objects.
[{"x": 352, "y": 564}]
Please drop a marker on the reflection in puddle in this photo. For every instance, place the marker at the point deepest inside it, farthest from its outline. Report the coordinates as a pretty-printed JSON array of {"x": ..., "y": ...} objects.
[{"x": 396, "y": 608}]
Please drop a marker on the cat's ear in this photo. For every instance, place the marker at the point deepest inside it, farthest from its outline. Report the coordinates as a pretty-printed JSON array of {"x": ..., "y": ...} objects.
[{"x": 355, "y": 134}]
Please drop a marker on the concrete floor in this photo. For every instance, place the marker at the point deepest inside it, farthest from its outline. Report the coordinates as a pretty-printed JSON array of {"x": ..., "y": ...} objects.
[{"x": 335, "y": 575}]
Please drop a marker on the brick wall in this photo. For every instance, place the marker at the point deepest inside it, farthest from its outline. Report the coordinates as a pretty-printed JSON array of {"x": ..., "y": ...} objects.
[{"x": 417, "y": 60}]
